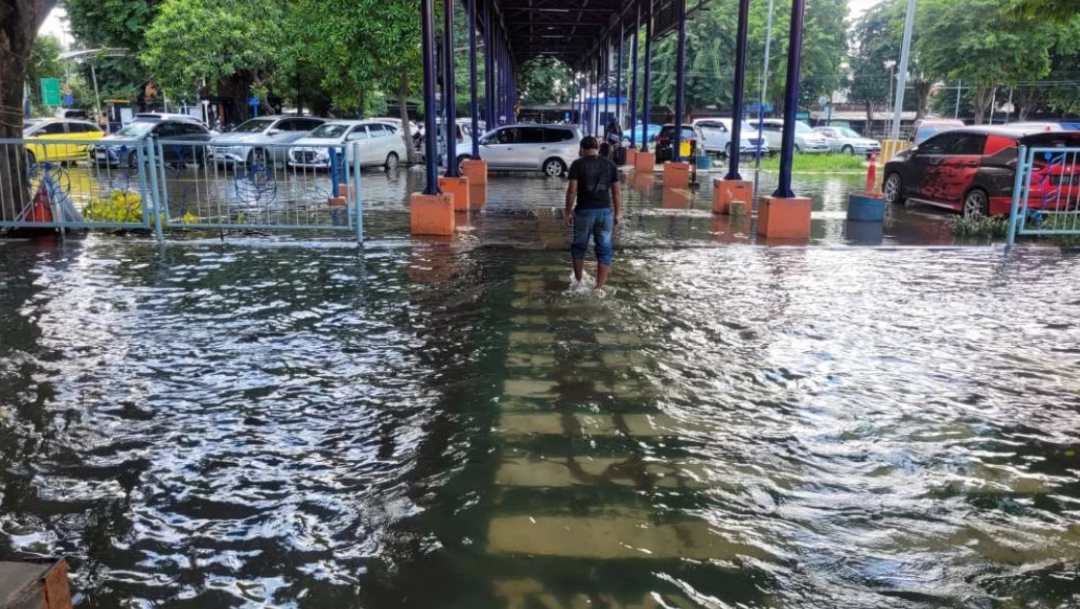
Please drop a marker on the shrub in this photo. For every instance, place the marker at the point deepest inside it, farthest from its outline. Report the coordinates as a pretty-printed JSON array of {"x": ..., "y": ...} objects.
[{"x": 121, "y": 206}]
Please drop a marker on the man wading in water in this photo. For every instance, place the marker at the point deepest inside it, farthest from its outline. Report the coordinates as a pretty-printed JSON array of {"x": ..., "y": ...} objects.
[{"x": 594, "y": 183}]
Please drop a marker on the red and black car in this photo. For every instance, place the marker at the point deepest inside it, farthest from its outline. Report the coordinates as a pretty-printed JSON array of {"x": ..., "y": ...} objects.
[{"x": 972, "y": 170}]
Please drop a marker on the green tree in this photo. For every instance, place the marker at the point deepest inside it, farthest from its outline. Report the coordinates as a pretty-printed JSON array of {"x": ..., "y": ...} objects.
[
  {"x": 545, "y": 80},
  {"x": 118, "y": 24},
  {"x": 44, "y": 63},
  {"x": 976, "y": 41},
  {"x": 711, "y": 46},
  {"x": 362, "y": 46},
  {"x": 195, "y": 42}
]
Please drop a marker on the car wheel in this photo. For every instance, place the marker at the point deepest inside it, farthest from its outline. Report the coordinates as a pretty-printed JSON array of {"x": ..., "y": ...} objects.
[
  {"x": 554, "y": 168},
  {"x": 893, "y": 190},
  {"x": 391, "y": 161},
  {"x": 31, "y": 159},
  {"x": 727, "y": 150},
  {"x": 848, "y": 150},
  {"x": 132, "y": 160},
  {"x": 461, "y": 163},
  {"x": 976, "y": 203},
  {"x": 798, "y": 148}
]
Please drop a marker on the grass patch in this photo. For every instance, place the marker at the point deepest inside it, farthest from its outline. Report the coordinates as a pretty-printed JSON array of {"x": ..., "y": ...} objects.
[
  {"x": 818, "y": 162},
  {"x": 1060, "y": 221},
  {"x": 978, "y": 226}
]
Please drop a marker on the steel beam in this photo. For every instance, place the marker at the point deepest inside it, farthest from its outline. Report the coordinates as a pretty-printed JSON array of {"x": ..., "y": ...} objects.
[
  {"x": 618, "y": 77},
  {"x": 737, "y": 91},
  {"x": 633, "y": 77},
  {"x": 450, "y": 101},
  {"x": 648, "y": 78},
  {"x": 431, "y": 152},
  {"x": 474, "y": 103},
  {"x": 791, "y": 99},
  {"x": 680, "y": 77}
]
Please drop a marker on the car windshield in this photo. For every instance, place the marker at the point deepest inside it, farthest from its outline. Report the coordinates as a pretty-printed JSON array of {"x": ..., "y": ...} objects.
[
  {"x": 844, "y": 131},
  {"x": 253, "y": 126},
  {"x": 801, "y": 127},
  {"x": 330, "y": 131},
  {"x": 928, "y": 131},
  {"x": 136, "y": 130}
]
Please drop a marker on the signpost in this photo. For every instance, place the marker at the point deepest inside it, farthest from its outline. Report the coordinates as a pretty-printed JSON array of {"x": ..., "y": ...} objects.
[
  {"x": 50, "y": 91},
  {"x": 254, "y": 103}
]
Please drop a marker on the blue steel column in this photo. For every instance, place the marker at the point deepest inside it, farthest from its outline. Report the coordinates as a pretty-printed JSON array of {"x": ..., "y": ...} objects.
[
  {"x": 431, "y": 153},
  {"x": 645, "y": 115},
  {"x": 474, "y": 103},
  {"x": 791, "y": 99},
  {"x": 633, "y": 78},
  {"x": 607, "y": 84},
  {"x": 680, "y": 78},
  {"x": 489, "y": 69},
  {"x": 618, "y": 76},
  {"x": 450, "y": 99},
  {"x": 737, "y": 93}
]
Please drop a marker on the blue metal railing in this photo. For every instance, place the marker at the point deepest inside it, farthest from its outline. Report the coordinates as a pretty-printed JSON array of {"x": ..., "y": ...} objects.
[
  {"x": 164, "y": 185},
  {"x": 1046, "y": 193}
]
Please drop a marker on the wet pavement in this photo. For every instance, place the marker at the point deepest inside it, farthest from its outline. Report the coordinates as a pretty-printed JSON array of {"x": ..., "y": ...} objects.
[{"x": 229, "y": 425}]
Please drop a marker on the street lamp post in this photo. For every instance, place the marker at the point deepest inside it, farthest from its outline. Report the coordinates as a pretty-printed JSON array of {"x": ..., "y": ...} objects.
[
  {"x": 764, "y": 85},
  {"x": 901, "y": 81}
]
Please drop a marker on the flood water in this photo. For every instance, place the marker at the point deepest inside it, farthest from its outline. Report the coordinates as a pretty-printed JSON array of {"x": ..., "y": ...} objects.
[{"x": 204, "y": 426}]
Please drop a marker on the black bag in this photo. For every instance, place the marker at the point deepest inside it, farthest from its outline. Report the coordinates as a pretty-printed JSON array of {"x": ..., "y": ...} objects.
[{"x": 620, "y": 156}]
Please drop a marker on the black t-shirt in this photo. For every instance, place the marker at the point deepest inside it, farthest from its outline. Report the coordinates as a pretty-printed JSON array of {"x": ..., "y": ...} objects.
[{"x": 595, "y": 176}]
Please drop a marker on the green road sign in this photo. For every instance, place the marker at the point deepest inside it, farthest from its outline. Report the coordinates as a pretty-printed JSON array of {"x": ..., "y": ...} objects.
[{"x": 50, "y": 91}]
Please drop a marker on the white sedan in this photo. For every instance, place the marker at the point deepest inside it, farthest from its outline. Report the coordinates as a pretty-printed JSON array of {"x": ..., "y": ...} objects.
[{"x": 380, "y": 145}]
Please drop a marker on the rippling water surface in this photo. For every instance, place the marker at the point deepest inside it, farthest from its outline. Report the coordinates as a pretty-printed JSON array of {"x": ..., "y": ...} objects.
[{"x": 208, "y": 426}]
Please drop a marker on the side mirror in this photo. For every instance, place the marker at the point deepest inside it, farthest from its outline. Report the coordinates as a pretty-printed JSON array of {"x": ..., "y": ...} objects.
[{"x": 273, "y": 132}]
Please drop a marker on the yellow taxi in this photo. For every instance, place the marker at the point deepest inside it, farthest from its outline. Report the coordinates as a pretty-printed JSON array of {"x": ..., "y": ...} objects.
[{"x": 59, "y": 129}]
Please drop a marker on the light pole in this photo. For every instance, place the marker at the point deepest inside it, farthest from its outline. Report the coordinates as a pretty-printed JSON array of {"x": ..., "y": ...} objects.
[
  {"x": 905, "y": 56},
  {"x": 764, "y": 84},
  {"x": 890, "y": 65}
]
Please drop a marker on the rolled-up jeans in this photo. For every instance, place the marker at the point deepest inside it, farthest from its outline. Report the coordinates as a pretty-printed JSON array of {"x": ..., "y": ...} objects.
[{"x": 597, "y": 223}]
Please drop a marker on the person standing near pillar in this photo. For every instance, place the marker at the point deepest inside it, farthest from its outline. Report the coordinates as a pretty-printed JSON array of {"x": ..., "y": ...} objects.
[{"x": 594, "y": 188}]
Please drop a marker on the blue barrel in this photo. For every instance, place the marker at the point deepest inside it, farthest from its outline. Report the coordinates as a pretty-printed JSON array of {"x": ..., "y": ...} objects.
[
  {"x": 704, "y": 161},
  {"x": 866, "y": 208}
]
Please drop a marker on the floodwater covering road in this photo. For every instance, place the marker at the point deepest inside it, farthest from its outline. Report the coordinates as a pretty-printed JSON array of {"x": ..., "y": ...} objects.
[{"x": 206, "y": 425}]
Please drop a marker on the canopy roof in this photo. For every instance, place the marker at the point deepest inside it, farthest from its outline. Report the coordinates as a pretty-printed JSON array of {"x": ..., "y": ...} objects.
[{"x": 572, "y": 30}]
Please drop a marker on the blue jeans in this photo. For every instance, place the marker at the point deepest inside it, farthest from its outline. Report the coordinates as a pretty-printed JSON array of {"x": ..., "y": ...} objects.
[{"x": 597, "y": 223}]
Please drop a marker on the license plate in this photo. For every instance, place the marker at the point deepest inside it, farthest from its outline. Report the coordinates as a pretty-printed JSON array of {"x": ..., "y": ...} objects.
[{"x": 1069, "y": 180}]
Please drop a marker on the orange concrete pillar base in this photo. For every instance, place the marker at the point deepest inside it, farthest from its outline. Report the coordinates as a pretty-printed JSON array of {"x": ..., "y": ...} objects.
[
  {"x": 476, "y": 171},
  {"x": 338, "y": 201},
  {"x": 631, "y": 157},
  {"x": 477, "y": 195},
  {"x": 645, "y": 161},
  {"x": 346, "y": 190},
  {"x": 676, "y": 175},
  {"x": 675, "y": 198},
  {"x": 431, "y": 214},
  {"x": 783, "y": 218},
  {"x": 459, "y": 188},
  {"x": 726, "y": 191}
]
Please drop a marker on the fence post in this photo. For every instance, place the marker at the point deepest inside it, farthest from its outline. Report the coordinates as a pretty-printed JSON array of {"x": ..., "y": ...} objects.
[
  {"x": 146, "y": 196},
  {"x": 163, "y": 181},
  {"x": 1018, "y": 182},
  {"x": 333, "y": 171},
  {"x": 356, "y": 196},
  {"x": 155, "y": 187}
]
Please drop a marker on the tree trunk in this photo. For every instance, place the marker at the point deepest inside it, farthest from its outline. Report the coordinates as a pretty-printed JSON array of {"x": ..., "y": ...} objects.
[
  {"x": 984, "y": 97},
  {"x": 19, "y": 23},
  {"x": 360, "y": 100},
  {"x": 922, "y": 97},
  {"x": 403, "y": 112},
  {"x": 869, "y": 131}
]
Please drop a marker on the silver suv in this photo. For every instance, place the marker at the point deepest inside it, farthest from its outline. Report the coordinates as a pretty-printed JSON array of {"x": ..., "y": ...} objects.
[
  {"x": 805, "y": 139},
  {"x": 258, "y": 140},
  {"x": 547, "y": 148}
]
